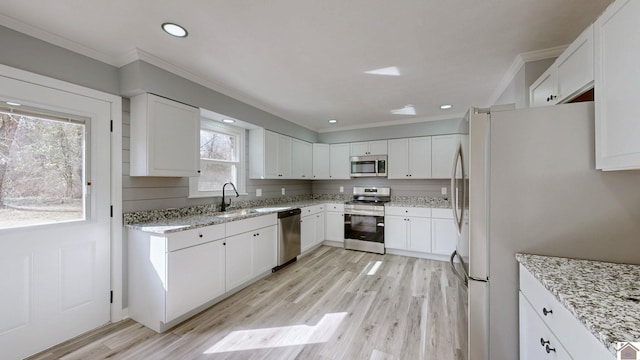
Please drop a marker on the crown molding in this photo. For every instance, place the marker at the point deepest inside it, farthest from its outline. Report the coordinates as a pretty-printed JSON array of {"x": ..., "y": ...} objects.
[
  {"x": 518, "y": 63},
  {"x": 423, "y": 119}
]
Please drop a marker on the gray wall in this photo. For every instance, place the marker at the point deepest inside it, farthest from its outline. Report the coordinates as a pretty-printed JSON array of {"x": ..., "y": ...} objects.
[
  {"x": 517, "y": 92},
  {"x": 440, "y": 127}
]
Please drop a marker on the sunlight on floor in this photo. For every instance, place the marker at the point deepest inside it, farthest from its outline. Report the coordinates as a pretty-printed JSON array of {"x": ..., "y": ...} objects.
[
  {"x": 280, "y": 336},
  {"x": 374, "y": 268}
]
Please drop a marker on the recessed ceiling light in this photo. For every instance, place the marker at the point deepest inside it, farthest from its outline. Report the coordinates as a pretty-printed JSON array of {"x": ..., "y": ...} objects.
[
  {"x": 446, "y": 106},
  {"x": 332, "y": 121},
  {"x": 11, "y": 103},
  {"x": 407, "y": 110},
  {"x": 175, "y": 30},
  {"x": 388, "y": 71},
  {"x": 228, "y": 121}
]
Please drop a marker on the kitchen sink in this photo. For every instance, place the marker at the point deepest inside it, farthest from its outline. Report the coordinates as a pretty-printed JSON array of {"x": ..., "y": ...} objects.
[{"x": 232, "y": 214}]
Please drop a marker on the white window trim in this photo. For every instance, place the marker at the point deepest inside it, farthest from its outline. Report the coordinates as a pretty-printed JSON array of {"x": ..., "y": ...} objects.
[{"x": 213, "y": 125}]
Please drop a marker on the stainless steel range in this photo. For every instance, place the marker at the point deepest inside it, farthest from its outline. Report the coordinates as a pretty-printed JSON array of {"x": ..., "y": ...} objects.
[{"x": 364, "y": 219}]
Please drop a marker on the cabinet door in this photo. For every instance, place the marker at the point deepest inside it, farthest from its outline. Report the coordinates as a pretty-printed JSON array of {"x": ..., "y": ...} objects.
[
  {"x": 271, "y": 143},
  {"x": 321, "y": 161},
  {"x": 616, "y": 82},
  {"x": 320, "y": 226},
  {"x": 419, "y": 234},
  {"x": 395, "y": 232},
  {"x": 420, "y": 158},
  {"x": 575, "y": 67},
  {"x": 264, "y": 250},
  {"x": 307, "y": 232},
  {"x": 195, "y": 276},
  {"x": 378, "y": 147},
  {"x": 359, "y": 149},
  {"x": 238, "y": 259},
  {"x": 301, "y": 155},
  {"x": 535, "y": 336},
  {"x": 339, "y": 164},
  {"x": 284, "y": 157},
  {"x": 443, "y": 236},
  {"x": 334, "y": 226},
  {"x": 398, "y": 167},
  {"x": 543, "y": 92},
  {"x": 443, "y": 152},
  {"x": 165, "y": 137}
]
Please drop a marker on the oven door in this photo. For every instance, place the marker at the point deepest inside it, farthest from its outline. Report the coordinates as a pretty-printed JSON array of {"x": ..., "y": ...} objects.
[{"x": 364, "y": 227}]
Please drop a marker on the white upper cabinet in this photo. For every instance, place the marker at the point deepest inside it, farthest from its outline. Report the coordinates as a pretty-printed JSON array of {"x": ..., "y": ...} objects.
[
  {"x": 369, "y": 148},
  {"x": 339, "y": 161},
  {"x": 321, "y": 162},
  {"x": 575, "y": 67},
  {"x": 269, "y": 155},
  {"x": 301, "y": 159},
  {"x": 410, "y": 158},
  {"x": 165, "y": 137},
  {"x": 569, "y": 76},
  {"x": 443, "y": 152},
  {"x": 617, "y": 115},
  {"x": 544, "y": 92}
]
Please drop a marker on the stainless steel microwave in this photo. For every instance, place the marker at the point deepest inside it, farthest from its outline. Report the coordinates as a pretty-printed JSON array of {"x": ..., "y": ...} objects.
[{"x": 373, "y": 165}]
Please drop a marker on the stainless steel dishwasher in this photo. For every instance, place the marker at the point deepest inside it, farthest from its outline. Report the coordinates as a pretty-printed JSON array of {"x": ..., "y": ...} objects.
[{"x": 288, "y": 237}]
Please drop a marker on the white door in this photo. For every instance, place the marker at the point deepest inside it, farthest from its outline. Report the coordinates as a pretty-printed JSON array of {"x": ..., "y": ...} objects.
[{"x": 54, "y": 247}]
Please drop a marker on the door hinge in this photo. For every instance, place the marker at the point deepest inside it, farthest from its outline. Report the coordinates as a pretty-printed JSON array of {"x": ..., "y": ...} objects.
[
  {"x": 111, "y": 297},
  {"x": 111, "y": 210},
  {"x": 111, "y": 126}
]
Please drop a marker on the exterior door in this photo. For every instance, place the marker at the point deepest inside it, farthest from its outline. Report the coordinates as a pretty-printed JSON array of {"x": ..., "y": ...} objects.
[{"x": 54, "y": 244}]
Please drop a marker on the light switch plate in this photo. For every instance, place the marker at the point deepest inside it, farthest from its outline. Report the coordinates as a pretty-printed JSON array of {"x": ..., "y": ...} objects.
[
  {"x": 258, "y": 192},
  {"x": 444, "y": 190},
  {"x": 341, "y": 189},
  {"x": 282, "y": 191}
]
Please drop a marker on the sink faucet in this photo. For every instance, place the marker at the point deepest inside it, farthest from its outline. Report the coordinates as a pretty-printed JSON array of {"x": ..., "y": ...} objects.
[{"x": 223, "y": 206}]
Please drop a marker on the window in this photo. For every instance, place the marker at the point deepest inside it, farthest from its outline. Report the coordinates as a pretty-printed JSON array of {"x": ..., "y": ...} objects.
[
  {"x": 221, "y": 159},
  {"x": 42, "y": 168}
]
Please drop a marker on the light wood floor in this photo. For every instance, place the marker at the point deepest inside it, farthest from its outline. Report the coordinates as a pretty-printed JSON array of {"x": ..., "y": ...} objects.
[{"x": 325, "y": 306}]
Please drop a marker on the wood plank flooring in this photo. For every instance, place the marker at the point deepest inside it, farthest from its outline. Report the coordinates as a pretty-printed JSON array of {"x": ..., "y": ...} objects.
[{"x": 330, "y": 304}]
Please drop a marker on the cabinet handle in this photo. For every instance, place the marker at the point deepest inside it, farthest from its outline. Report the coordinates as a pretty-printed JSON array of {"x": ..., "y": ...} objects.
[
  {"x": 549, "y": 349},
  {"x": 224, "y": 243},
  {"x": 258, "y": 234},
  {"x": 546, "y": 312},
  {"x": 198, "y": 171},
  {"x": 543, "y": 342},
  {"x": 199, "y": 235}
]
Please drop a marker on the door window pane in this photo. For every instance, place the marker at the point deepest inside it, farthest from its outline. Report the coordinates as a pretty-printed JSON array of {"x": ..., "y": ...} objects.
[{"x": 42, "y": 169}]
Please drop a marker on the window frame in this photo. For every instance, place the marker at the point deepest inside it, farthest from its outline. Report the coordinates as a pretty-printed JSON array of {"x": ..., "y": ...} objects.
[{"x": 240, "y": 134}]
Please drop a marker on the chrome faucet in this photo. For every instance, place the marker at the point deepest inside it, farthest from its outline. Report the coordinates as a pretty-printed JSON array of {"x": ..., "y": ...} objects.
[{"x": 223, "y": 206}]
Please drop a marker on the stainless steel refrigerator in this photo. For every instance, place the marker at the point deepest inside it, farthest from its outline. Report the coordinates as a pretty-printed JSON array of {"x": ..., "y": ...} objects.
[{"x": 532, "y": 187}]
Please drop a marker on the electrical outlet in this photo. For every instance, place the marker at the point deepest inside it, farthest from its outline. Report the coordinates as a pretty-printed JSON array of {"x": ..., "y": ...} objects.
[
  {"x": 341, "y": 189},
  {"x": 258, "y": 192},
  {"x": 444, "y": 190},
  {"x": 282, "y": 191}
]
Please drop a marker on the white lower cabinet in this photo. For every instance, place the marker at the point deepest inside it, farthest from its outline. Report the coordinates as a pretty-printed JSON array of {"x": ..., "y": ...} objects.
[
  {"x": 536, "y": 340},
  {"x": 408, "y": 229},
  {"x": 249, "y": 255},
  {"x": 443, "y": 232},
  {"x": 334, "y": 221},
  {"x": 311, "y": 226}
]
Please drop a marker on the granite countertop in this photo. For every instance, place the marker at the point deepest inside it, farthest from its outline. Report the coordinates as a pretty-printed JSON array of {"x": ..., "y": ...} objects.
[
  {"x": 604, "y": 297},
  {"x": 423, "y": 202}
]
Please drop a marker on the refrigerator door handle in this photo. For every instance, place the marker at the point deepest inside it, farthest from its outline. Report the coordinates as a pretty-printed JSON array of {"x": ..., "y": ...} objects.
[
  {"x": 464, "y": 269},
  {"x": 455, "y": 270},
  {"x": 454, "y": 193}
]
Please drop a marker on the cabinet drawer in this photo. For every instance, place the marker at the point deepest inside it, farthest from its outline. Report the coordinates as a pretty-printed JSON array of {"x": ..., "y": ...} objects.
[
  {"x": 445, "y": 213},
  {"x": 241, "y": 226},
  {"x": 312, "y": 210},
  {"x": 335, "y": 207},
  {"x": 537, "y": 342},
  {"x": 575, "y": 337},
  {"x": 187, "y": 238},
  {"x": 407, "y": 211}
]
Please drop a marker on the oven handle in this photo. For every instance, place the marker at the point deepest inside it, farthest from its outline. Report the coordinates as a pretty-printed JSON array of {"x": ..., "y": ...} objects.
[{"x": 364, "y": 213}]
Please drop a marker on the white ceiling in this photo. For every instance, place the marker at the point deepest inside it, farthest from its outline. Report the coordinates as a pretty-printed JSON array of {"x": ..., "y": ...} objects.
[{"x": 306, "y": 60}]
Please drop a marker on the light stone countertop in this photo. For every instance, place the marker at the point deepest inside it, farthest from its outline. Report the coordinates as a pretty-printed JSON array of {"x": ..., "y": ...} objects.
[{"x": 604, "y": 297}]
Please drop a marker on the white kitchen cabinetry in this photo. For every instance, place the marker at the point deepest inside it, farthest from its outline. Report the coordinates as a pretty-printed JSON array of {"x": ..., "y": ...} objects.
[
  {"x": 172, "y": 275},
  {"x": 569, "y": 76},
  {"x": 321, "y": 161},
  {"x": 369, "y": 148},
  {"x": 443, "y": 150},
  {"x": 251, "y": 249},
  {"x": 301, "y": 159},
  {"x": 334, "y": 220},
  {"x": 544, "y": 321},
  {"x": 165, "y": 137},
  {"x": 443, "y": 232},
  {"x": 410, "y": 158},
  {"x": 339, "y": 162},
  {"x": 310, "y": 221},
  {"x": 616, "y": 82},
  {"x": 408, "y": 229},
  {"x": 269, "y": 155}
]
